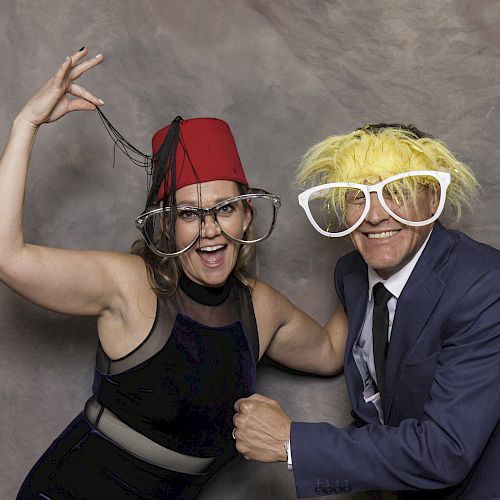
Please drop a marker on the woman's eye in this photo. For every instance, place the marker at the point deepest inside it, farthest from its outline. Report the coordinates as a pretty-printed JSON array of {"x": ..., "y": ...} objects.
[
  {"x": 188, "y": 215},
  {"x": 225, "y": 210}
]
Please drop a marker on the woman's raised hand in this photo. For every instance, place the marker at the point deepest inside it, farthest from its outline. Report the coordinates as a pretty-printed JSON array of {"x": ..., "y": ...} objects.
[{"x": 53, "y": 100}]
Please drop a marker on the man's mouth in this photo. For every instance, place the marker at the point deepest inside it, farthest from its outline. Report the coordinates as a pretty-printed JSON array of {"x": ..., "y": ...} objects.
[{"x": 384, "y": 234}]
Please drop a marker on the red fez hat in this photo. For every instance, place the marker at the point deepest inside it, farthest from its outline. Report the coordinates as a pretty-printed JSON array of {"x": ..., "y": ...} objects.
[{"x": 206, "y": 151}]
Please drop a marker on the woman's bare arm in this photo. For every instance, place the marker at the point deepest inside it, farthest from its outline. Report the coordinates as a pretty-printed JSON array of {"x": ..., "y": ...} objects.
[
  {"x": 294, "y": 339},
  {"x": 69, "y": 281}
]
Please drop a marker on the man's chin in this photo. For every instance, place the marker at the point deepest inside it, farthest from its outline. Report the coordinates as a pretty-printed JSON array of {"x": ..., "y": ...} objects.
[{"x": 385, "y": 269}]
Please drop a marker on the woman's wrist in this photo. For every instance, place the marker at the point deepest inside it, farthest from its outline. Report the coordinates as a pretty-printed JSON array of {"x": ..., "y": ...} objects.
[
  {"x": 22, "y": 135},
  {"x": 21, "y": 122}
]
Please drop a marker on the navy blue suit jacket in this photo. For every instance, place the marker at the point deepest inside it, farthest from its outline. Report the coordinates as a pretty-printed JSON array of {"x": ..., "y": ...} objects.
[{"x": 442, "y": 384}]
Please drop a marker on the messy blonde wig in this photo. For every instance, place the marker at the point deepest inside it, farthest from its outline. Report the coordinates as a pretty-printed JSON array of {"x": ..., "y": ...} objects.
[{"x": 376, "y": 152}]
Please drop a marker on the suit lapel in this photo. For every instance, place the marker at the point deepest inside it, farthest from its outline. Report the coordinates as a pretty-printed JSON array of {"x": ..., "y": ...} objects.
[
  {"x": 356, "y": 293},
  {"x": 415, "y": 305},
  {"x": 356, "y": 297}
]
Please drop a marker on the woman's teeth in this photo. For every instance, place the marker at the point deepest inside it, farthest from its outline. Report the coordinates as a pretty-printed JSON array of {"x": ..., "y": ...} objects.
[{"x": 211, "y": 249}]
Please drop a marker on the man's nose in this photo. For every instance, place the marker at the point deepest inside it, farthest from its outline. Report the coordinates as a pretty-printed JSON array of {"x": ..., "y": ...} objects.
[
  {"x": 210, "y": 227},
  {"x": 377, "y": 213}
]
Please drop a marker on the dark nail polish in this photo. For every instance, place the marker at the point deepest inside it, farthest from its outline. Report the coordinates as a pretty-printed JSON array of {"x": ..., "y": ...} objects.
[{"x": 81, "y": 49}]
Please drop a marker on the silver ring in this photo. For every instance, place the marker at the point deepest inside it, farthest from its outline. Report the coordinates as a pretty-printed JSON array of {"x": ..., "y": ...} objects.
[{"x": 234, "y": 433}]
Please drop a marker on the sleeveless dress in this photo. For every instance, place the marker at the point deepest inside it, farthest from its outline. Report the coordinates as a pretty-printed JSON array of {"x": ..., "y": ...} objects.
[{"x": 177, "y": 388}]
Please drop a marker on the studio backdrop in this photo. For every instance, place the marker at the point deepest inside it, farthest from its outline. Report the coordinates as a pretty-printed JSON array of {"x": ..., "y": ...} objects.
[{"x": 284, "y": 75}]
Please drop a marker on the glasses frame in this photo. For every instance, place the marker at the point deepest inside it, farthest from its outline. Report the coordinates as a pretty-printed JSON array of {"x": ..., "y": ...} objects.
[
  {"x": 444, "y": 179},
  {"x": 253, "y": 193}
]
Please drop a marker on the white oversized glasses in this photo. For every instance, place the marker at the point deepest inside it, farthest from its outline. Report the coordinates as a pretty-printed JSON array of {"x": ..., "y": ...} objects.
[{"x": 338, "y": 208}]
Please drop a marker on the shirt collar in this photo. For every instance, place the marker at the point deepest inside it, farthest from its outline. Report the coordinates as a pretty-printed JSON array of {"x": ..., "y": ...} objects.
[{"x": 397, "y": 281}]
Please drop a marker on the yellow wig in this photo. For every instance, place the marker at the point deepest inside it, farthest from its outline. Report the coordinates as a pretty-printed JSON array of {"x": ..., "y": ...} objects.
[{"x": 377, "y": 152}]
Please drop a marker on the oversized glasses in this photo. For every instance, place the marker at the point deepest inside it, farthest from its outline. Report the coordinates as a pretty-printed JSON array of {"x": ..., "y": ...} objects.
[
  {"x": 338, "y": 208},
  {"x": 171, "y": 231}
]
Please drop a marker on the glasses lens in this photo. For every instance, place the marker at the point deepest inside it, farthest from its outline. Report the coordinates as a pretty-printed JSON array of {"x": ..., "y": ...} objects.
[
  {"x": 336, "y": 209},
  {"x": 171, "y": 230},
  {"x": 257, "y": 209},
  {"x": 411, "y": 198}
]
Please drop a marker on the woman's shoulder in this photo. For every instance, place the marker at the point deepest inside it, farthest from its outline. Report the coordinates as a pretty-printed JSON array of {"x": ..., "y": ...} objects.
[
  {"x": 265, "y": 297},
  {"x": 262, "y": 288}
]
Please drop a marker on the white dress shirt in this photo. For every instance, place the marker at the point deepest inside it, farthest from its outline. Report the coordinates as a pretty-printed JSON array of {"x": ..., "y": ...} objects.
[{"x": 363, "y": 347}]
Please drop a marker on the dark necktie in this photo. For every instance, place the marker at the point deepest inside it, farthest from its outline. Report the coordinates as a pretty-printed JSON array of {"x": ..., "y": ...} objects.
[{"x": 380, "y": 328}]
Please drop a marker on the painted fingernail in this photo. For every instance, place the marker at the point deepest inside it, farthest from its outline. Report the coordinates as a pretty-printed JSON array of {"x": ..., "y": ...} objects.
[
  {"x": 81, "y": 48},
  {"x": 67, "y": 58},
  {"x": 98, "y": 56},
  {"x": 100, "y": 101}
]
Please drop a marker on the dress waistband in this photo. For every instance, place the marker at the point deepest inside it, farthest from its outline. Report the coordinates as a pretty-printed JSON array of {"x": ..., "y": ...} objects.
[{"x": 141, "y": 446}]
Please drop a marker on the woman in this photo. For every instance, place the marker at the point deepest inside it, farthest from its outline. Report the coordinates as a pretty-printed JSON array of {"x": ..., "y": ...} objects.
[{"x": 180, "y": 324}]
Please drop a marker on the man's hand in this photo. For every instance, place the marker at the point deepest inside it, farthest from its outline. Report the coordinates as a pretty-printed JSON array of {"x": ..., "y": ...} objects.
[{"x": 261, "y": 429}]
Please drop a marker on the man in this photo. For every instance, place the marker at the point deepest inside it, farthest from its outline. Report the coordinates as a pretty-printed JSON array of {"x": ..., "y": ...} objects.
[{"x": 422, "y": 359}]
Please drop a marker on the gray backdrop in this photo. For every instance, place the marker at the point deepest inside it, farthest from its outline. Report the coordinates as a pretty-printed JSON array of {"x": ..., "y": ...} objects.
[{"x": 284, "y": 75}]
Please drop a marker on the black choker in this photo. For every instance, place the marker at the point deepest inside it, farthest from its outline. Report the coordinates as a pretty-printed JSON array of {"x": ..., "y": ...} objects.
[{"x": 208, "y": 295}]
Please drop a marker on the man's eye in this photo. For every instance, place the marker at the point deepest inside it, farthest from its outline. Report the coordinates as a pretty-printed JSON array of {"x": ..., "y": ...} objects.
[
  {"x": 397, "y": 194},
  {"x": 355, "y": 197}
]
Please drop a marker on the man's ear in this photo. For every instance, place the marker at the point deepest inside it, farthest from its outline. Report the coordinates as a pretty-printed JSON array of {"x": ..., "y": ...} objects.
[{"x": 436, "y": 196}]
